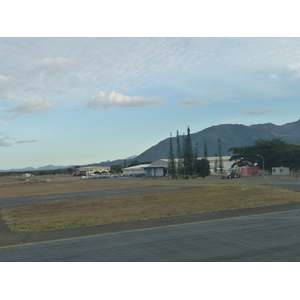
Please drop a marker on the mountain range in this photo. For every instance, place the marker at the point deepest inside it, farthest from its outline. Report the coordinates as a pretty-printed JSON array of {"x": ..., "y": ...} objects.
[
  {"x": 231, "y": 135},
  {"x": 48, "y": 167}
]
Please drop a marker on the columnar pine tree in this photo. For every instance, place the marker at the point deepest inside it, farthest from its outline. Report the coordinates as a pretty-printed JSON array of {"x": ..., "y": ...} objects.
[
  {"x": 221, "y": 166},
  {"x": 205, "y": 154},
  {"x": 171, "y": 161},
  {"x": 205, "y": 150},
  {"x": 179, "y": 155},
  {"x": 216, "y": 163},
  {"x": 195, "y": 159},
  {"x": 182, "y": 150},
  {"x": 188, "y": 154}
]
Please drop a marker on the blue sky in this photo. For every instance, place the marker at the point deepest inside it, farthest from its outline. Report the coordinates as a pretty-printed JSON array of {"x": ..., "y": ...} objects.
[{"x": 86, "y": 100}]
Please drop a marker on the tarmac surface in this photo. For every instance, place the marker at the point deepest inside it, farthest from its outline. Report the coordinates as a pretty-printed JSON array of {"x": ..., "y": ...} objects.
[
  {"x": 269, "y": 233},
  {"x": 259, "y": 238}
]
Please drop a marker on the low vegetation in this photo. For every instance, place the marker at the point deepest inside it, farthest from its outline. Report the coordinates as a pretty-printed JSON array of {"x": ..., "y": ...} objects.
[{"x": 102, "y": 210}]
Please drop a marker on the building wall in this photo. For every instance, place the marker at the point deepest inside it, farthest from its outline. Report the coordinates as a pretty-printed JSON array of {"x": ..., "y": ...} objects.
[
  {"x": 92, "y": 170},
  {"x": 247, "y": 171},
  {"x": 158, "y": 171},
  {"x": 27, "y": 175},
  {"x": 280, "y": 171},
  {"x": 135, "y": 170}
]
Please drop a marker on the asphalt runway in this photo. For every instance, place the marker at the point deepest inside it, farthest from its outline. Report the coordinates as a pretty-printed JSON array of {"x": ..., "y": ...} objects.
[
  {"x": 290, "y": 184},
  {"x": 261, "y": 238}
]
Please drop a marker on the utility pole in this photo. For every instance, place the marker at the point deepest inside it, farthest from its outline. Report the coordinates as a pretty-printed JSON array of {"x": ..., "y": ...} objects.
[{"x": 263, "y": 165}]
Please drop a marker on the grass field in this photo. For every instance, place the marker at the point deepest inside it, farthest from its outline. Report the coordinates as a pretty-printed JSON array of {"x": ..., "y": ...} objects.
[
  {"x": 93, "y": 211},
  {"x": 18, "y": 187}
]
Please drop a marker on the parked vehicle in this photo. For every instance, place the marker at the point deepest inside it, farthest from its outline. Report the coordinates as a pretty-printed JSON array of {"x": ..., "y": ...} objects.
[{"x": 232, "y": 173}]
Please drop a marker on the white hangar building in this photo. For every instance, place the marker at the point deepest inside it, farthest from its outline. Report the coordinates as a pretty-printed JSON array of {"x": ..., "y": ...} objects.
[
  {"x": 160, "y": 168},
  {"x": 138, "y": 170},
  {"x": 157, "y": 169}
]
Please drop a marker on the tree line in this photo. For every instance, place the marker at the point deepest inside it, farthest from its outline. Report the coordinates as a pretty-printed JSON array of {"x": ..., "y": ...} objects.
[
  {"x": 186, "y": 163},
  {"x": 267, "y": 154}
]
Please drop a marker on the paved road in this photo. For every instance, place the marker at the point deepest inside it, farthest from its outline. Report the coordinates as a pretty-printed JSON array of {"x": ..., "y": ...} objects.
[
  {"x": 264, "y": 237},
  {"x": 291, "y": 184},
  {"x": 287, "y": 183}
]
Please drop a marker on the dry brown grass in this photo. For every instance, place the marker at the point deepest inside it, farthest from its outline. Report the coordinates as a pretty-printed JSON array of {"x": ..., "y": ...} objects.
[
  {"x": 93, "y": 211},
  {"x": 39, "y": 186}
]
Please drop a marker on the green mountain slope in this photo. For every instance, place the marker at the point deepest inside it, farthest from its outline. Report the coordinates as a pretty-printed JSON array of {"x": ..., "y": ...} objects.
[{"x": 231, "y": 135}]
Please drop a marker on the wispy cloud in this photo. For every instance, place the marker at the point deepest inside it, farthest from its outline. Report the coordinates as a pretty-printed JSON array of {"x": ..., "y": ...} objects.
[
  {"x": 273, "y": 76},
  {"x": 257, "y": 112},
  {"x": 188, "y": 102},
  {"x": 30, "y": 106},
  {"x": 295, "y": 69},
  {"x": 3, "y": 141},
  {"x": 22, "y": 142},
  {"x": 120, "y": 100},
  {"x": 210, "y": 97},
  {"x": 59, "y": 65}
]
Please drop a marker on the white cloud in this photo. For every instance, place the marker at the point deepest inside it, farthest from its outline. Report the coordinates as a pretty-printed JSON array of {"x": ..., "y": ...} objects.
[
  {"x": 30, "y": 106},
  {"x": 119, "y": 100},
  {"x": 58, "y": 65},
  {"x": 295, "y": 69},
  {"x": 257, "y": 112},
  {"x": 5, "y": 79}
]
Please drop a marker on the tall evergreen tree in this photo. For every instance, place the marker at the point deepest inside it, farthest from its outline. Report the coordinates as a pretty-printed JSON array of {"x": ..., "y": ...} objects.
[
  {"x": 203, "y": 167},
  {"x": 216, "y": 163},
  {"x": 179, "y": 155},
  {"x": 182, "y": 149},
  {"x": 195, "y": 159},
  {"x": 221, "y": 165},
  {"x": 171, "y": 161},
  {"x": 205, "y": 154},
  {"x": 188, "y": 154}
]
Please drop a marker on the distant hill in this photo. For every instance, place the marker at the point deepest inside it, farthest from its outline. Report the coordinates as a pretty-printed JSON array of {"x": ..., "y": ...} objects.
[
  {"x": 231, "y": 135},
  {"x": 29, "y": 169}
]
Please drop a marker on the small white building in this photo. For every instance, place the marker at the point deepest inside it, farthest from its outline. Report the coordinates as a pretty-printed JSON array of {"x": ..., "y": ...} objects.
[
  {"x": 158, "y": 168},
  {"x": 280, "y": 171},
  {"x": 91, "y": 171},
  {"x": 27, "y": 175},
  {"x": 137, "y": 171}
]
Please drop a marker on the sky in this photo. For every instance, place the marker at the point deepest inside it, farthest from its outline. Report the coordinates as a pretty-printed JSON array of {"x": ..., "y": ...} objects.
[{"x": 70, "y": 100}]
